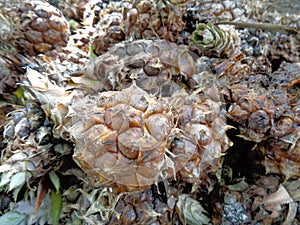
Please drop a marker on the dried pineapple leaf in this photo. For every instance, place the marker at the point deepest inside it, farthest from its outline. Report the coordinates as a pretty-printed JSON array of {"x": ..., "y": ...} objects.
[
  {"x": 38, "y": 80},
  {"x": 281, "y": 196},
  {"x": 42, "y": 191},
  {"x": 293, "y": 188},
  {"x": 293, "y": 206},
  {"x": 44, "y": 90}
]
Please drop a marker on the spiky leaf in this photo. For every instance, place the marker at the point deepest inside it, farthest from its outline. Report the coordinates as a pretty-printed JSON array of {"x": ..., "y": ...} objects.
[
  {"x": 191, "y": 210},
  {"x": 56, "y": 206},
  {"x": 17, "y": 180},
  {"x": 55, "y": 180}
]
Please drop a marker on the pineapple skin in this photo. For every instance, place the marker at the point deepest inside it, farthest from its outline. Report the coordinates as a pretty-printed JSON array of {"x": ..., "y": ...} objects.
[{"x": 33, "y": 26}]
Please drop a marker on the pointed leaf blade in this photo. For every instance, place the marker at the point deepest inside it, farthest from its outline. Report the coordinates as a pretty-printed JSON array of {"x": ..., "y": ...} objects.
[
  {"x": 55, "y": 180},
  {"x": 56, "y": 206}
]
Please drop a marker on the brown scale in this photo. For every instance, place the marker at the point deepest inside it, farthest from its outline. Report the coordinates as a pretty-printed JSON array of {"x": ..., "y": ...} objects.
[
  {"x": 158, "y": 66},
  {"x": 35, "y": 26}
]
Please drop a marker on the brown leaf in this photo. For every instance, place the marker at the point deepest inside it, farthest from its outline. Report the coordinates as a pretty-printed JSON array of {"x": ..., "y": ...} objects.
[
  {"x": 42, "y": 191},
  {"x": 281, "y": 196}
]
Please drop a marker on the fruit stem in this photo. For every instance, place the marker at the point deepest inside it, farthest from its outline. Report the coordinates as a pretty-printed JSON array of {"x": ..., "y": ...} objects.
[{"x": 263, "y": 26}]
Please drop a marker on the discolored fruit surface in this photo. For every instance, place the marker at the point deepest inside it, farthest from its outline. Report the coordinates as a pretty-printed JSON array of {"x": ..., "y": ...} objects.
[
  {"x": 156, "y": 66},
  {"x": 33, "y": 26},
  {"x": 122, "y": 136}
]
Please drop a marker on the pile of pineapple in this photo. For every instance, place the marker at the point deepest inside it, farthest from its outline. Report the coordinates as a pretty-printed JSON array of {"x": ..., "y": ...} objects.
[{"x": 149, "y": 112}]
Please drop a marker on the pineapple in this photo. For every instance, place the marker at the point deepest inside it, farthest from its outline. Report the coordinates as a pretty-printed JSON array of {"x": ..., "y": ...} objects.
[
  {"x": 32, "y": 27},
  {"x": 9, "y": 77},
  {"x": 281, "y": 149},
  {"x": 217, "y": 10},
  {"x": 216, "y": 40},
  {"x": 71, "y": 9},
  {"x": 119, "y": 134},
  {"x": 153, "y": 19},
  {"x": 107, "y": 18},
  {"x": 158, "y": 67},
  {"x": 265, "y": 107},
  {"x": 115, "y": 142},
  {"x": 128, "y": 139},
  {"x": 27, "y": 136},
  {"x": 243, "y": 83},
  {"x": 202, "y": 120},
  {"x": 96, "y": 9},
  {"x": 262, "y": 103},
  {"x": 110, "y": 32},
  {"x": 143, "y": 207}
]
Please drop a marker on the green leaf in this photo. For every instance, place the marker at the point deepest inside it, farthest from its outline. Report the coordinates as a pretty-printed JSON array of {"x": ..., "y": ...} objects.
[
  {"x": 16, "y": 192},
  {"x": 19, "y": 93},
  {"x": 91, "y": 52},
  {"x": 13, "y": 218},
  {"x": 191, "y": 211},
  {"x": 56, "y": 206},
  {"x": 55, "y": 180},
  {"x": 5, "y": 179},
  {"x": 17, "y": 180}
]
